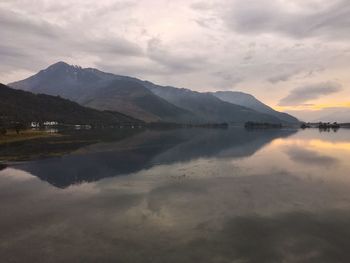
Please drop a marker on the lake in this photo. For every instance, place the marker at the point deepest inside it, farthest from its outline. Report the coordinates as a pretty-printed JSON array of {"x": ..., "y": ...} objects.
[{"x": 187, "y": 195}]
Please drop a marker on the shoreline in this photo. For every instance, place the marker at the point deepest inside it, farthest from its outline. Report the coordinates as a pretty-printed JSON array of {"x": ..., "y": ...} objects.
[{"x": 25, "y": 135}]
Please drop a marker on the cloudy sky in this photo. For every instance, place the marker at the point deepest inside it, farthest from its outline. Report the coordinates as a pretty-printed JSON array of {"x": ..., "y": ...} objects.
[{"x": 292, "y": 54}]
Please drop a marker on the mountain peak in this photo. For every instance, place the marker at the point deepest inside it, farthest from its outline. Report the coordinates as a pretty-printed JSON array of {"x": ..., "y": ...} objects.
[
  {"x": 59, "y": 64},
  {"x": 62, "y": 65}
]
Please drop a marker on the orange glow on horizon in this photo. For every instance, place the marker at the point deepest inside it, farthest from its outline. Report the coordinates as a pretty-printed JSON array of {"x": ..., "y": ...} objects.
[{"x": 313, "y": 107}]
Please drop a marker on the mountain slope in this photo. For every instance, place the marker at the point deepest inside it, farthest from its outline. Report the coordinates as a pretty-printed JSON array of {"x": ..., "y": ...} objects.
[
  {"x": 130, "y": 97},
  {"x": 208, "y": 107},
  {"x": 103, "y": 91},
  {"x": 61, "y": 79},
  {"x": 251, "y": 102},
  {"x": 18, "y": 105}
]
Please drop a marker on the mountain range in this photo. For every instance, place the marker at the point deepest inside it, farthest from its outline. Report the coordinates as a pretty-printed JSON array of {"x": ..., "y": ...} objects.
[{"x": 147, "y": 101}]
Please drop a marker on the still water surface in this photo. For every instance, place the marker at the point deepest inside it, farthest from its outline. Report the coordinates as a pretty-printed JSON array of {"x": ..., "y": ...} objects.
[{"x": 191, "y": 195}]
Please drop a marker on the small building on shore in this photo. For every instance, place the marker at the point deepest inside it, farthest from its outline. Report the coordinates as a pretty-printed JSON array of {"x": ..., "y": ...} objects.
[
  {"x": 35, "y": 124},
  {"x": 50, "y": 123}
]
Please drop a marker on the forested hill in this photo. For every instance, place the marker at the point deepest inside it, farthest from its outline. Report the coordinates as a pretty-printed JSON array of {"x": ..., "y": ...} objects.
[{"x": 23, "y": 106}]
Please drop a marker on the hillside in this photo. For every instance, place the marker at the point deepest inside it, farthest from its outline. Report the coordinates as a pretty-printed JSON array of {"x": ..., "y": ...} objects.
[
  {"x": 130, "y": 97},
  {"x": 249, "y": 101},
  {"x": 18, "y": 105},
  {"x": 208, "y": 107}
]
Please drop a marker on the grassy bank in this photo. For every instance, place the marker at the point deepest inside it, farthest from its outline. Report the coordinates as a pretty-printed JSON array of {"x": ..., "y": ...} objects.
[{"x": 12, "y": 136}]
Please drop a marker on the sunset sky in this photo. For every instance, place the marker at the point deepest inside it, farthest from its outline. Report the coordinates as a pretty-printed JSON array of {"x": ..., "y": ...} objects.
[{"x": 294, "y": 55}]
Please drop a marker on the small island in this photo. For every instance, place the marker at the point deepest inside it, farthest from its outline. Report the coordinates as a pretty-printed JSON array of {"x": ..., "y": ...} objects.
[
  {"x": 262, "y": 125},
  {"x": 322, "y": 126}
]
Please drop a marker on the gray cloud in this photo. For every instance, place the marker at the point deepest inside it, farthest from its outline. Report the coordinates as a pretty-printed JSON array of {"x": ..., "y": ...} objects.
[
  {"x": 14, "y": 22},
  {"x": 32, "y": 43},
  {"x": 161, "y": 40},
  {"x": 227, "y": 80},
  {"x": 115, "y": 45},
  {"x": 282, "y": 77},
  {"x": 206, "y": 22},
  {"x": 9, "y": 52},
  {"x": 115, "y": 6},
  {"x": 136, "y": 69},
  {"x": 201, "y": 5},
  {"x": 272, "y": 16},
  {"x": 180, "y": 63},
  {"x": 289, "y": 71},
  {"x": 306, "y": 93}
]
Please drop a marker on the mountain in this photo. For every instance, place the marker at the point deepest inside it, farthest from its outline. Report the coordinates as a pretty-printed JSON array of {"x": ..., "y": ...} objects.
[
  {"x": 65, "y": 80},
  {"x": 251, "y": 102},
  {"x": 141, "y": 99},
  {"x": 133, "y": 98},
  {"x": 208, "y": 107},
  {"x": 18, "y": 105},
  {"x": 103, "y": 91}
]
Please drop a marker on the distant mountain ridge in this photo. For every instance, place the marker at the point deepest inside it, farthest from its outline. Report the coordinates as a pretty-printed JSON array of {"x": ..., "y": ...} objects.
[
  {"x": 247, "y": 100},
  {"x": 209, "y": 107},
  {"x": 141, "y": 99}
]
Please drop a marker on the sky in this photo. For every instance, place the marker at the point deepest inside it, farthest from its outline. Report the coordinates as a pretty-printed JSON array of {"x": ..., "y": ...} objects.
[{"x": 294, "y": 55}]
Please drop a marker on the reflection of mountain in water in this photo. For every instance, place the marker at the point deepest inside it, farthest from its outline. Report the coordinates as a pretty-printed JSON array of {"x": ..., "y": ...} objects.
[
  {"x": 231, "y": 143},
  {"x": 147, "y": 149}
]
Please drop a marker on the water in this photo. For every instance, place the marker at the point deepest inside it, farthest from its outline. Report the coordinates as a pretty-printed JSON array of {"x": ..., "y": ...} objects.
[{"x": 192, "y": 195}]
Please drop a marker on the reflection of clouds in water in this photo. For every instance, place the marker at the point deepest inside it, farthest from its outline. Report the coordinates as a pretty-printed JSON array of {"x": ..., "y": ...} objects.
[
  {"x": 203, "y": 199},
  {"x": 220, "y": 211},
  {"x": 16, "y": 175},
  {"x": 310, "y": 157},
  {"x": 325, "y": 145},
  {"x": 328, "y": 145},
  {"x": 289, "y": 237},
  {"x": 305, "y": 157},
  {"x": 199, "y": 218}
]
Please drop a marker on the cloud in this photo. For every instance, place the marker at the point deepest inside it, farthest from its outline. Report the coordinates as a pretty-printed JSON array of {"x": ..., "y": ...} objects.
[
  {"x": 114, "y": 45},
  {"x": 289, "y": 18},
  {"x": 289, "y": 71},
  {"x": 178, "y": 62},
  {"x": 306, "y": 93},
  {"x": 212, "y": 45},
  {"x": 32, "y": 43},
  {"x": 205, "y": 22},
  {"x": 282, "y": 77},
  {"x": 201, "y": 5},
  {"x": 227, "y": 80},
  {"x": 15, "y": 22}
]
